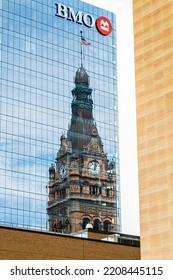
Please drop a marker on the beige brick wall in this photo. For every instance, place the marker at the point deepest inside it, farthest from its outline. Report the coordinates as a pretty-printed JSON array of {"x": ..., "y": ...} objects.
[
  {"x": 153, "y": 33},
  {"x": 18, "y": 244}
]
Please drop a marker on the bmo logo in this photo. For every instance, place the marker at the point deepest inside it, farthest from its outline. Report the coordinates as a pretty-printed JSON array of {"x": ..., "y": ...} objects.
[{"x": 103, "y": 24}]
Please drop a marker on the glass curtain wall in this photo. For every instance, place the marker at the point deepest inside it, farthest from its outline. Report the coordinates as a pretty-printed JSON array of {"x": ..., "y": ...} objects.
[{"x": 40, "y": 54}]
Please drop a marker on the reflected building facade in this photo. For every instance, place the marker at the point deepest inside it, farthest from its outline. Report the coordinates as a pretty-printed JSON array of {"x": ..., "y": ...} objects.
[
  {"x": 82, "y": 188},
  {"x": 40, "y": 53}
]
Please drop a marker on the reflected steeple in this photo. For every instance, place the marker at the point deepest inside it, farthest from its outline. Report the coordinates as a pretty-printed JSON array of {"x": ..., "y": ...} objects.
[{"x": 83, "y": 126}]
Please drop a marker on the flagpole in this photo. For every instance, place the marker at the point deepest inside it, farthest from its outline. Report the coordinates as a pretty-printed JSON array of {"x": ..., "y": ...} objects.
[
  {"x": 81, "y": 48},
  {"x": 83, "y": 43}
]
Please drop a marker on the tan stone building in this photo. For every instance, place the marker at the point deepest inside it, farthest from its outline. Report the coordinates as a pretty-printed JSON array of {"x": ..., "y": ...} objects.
[
  {"x": 20, "y": 244},
  {"x": 153, "y": 33}
]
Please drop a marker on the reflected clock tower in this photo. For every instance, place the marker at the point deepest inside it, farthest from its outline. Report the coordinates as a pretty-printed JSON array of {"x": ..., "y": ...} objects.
[{"x": 82, "y": 185}]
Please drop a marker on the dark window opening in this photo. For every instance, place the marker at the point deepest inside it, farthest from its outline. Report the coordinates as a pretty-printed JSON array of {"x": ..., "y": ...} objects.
[
  {"x": 96, "y": 224},
  {"x": 85, "y": 222},
  {"x": 106, "y": 225}
]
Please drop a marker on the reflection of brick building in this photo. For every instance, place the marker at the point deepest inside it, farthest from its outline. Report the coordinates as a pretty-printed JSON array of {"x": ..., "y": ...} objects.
[{"x": 82, "y": 186}]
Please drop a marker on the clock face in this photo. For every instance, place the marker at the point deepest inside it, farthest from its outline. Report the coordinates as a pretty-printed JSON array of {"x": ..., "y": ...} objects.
[
  {"x": 62, "y": 170},
  {"x": 94, "y": 167}
]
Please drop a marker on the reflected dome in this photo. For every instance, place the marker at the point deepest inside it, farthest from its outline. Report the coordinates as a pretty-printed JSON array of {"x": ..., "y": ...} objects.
[{"x": 81, "y": 78}]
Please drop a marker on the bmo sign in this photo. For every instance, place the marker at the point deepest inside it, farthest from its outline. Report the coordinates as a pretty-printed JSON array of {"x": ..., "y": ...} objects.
[{"x": 102, "y": 24}]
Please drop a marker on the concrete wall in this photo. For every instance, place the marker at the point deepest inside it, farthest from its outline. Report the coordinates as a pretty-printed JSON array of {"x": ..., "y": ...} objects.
[
  {"x": 16, "y": 244},
  {"x": 153, "y": 33}
]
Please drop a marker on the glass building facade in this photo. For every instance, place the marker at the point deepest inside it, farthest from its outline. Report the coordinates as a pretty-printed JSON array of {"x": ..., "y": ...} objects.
[{"x": 40, "y": 54}]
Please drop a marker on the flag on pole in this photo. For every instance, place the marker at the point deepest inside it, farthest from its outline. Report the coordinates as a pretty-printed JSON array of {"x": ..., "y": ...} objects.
[{"x": 84, "y": 42}]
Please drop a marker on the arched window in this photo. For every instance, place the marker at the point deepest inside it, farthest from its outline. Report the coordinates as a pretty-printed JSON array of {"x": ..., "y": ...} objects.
[
  {"x": 96, "y": 224},
  {"x": 85, "y": 221},
  {"x": 106, "y": 225}
]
